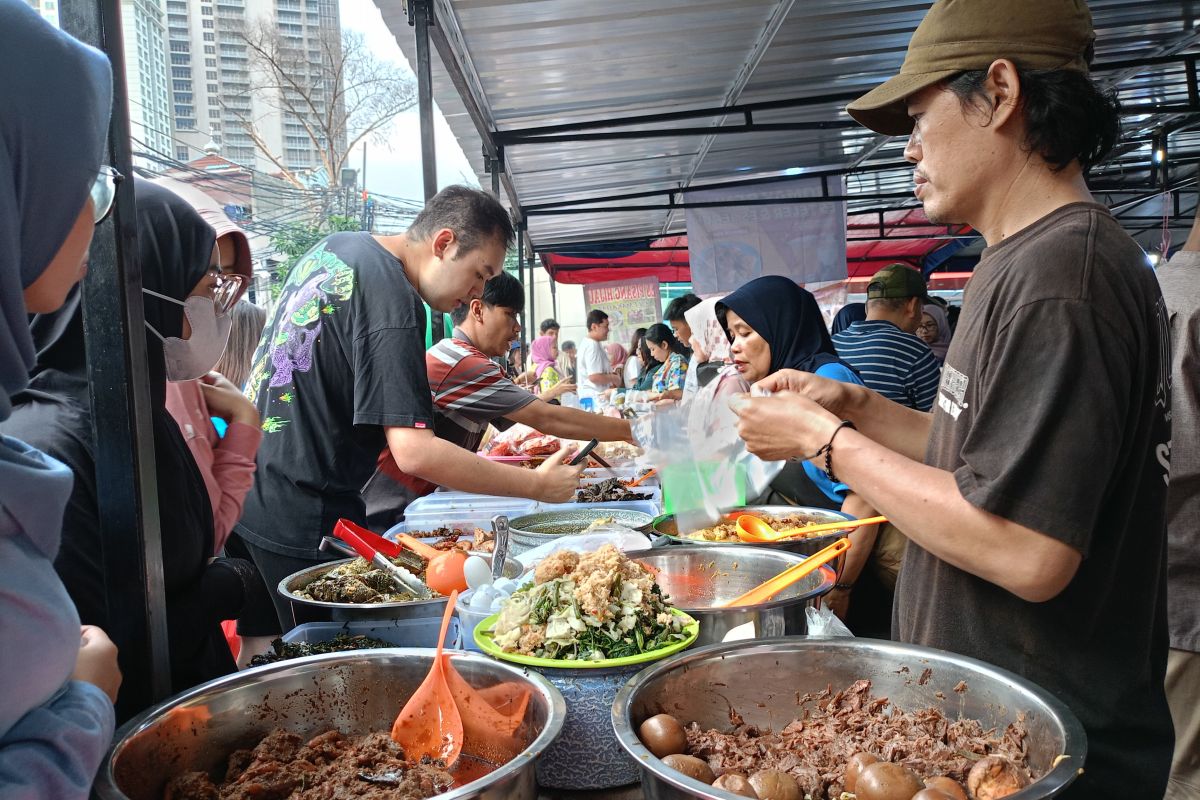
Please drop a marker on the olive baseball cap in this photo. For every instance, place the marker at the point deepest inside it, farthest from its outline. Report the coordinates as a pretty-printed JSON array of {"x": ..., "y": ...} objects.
[
  {"x": 896, "y": 281},
  {"x": 960, "y": 35}
]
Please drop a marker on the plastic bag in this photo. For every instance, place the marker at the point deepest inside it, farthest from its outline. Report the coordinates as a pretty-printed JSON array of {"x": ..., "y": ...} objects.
[
  {"x": 618, "y": 536},
  {"x": 823, "y": 622},
  {"x": 703, "y": 464}
]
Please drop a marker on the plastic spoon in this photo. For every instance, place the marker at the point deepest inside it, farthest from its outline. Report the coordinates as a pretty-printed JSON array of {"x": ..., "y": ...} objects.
[
  {"x": 773, "y": 586},
  {"x": 754, "y": 529},
  {"x": 429, "y": 724},
  {"x": 638, "y": 480},
  {"x": 444, "y": 573}
]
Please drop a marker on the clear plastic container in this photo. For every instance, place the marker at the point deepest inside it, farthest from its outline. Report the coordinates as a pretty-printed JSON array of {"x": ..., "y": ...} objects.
[
  {"x": 421, "y": 632},
  {"x": 459, "y": 510}
]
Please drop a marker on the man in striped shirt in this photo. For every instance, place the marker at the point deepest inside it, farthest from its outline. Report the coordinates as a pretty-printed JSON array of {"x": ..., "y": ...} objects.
[
  {"x": 470, "y": 391},
  {"x": 883, "y": 347}
]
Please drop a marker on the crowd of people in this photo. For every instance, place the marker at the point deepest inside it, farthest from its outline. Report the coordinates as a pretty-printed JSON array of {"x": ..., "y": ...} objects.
[{"x": 1043, "y": 515}]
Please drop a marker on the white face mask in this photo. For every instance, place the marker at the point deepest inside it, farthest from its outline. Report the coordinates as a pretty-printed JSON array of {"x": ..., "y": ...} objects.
[{"x": 192, "y": 358}]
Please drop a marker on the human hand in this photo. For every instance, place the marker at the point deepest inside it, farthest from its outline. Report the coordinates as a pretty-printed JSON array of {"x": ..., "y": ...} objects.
[
  {"x": 97, "y": 661},
  {"x": 559, "y": 389},
  {"x": 838, "y": 601},
  {"x": 557, "y": 479},
  {"x": 834, "y": 396},
  {"x": 226, "y": 401},
  {"x": 782, "y": 426}
]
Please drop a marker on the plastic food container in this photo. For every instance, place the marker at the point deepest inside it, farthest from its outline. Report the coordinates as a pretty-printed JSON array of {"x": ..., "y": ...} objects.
[{"x": 397, "y": 632}]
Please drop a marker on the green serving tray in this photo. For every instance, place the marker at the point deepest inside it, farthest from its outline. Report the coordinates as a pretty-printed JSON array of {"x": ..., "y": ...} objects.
[{"x": 483, "y": 639}]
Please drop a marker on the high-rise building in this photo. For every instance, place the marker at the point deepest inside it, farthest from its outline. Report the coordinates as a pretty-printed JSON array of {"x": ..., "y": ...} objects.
[
  {"x": 212, "y": 71},
  {"x": 47, "y": 8},
  {"x": 151, "y": 123}
]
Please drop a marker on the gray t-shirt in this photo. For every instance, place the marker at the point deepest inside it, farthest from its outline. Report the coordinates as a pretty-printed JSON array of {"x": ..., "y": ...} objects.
[
  {"x": 1180, "y": 282},
  {"x": 1052, "y": 413}
]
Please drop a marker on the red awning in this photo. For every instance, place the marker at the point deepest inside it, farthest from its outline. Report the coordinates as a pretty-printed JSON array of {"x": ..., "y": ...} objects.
[
  {"x": 871, "y": 243},
  {"x": 666, "y": 259}
]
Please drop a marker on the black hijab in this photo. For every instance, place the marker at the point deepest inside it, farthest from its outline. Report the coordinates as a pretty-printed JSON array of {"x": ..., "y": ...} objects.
[
  {"x": 788, "y": 317},
  {"x": 54, "y": 415},
  {"x": 848, "y": 315}
]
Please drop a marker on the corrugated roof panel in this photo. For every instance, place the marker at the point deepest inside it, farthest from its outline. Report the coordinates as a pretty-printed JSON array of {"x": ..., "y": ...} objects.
[{"x": 549, "y": 62}]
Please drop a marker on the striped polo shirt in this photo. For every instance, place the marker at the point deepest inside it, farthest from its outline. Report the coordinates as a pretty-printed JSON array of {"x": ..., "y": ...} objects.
[
  {"x": 469, "y": 392},
  {"x": 896, "y": 364}
]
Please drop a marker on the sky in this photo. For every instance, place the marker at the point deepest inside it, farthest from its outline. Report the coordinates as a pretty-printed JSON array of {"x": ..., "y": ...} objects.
[{"x": 395, "y": 168}]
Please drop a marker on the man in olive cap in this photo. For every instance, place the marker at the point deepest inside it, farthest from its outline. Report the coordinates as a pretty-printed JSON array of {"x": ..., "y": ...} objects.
[
  {"x": 883, "y": 348},
  {"x": 1033, "y": 495}
]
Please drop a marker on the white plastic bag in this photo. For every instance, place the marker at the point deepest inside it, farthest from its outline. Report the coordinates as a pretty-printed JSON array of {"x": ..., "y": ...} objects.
[
  {"x": 618, "y": 536},
  {"x": 703, "y": 464},
  {"x": 823, "y": 622}
]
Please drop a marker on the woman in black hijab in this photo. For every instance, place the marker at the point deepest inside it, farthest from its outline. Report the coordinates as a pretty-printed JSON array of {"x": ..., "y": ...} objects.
[
  {"x": 773, "y": 324},
  {"x": 175, "y": 247}
]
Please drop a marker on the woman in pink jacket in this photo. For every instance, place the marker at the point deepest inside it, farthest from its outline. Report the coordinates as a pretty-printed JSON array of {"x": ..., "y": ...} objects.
[{"x": 225, "y": 459}]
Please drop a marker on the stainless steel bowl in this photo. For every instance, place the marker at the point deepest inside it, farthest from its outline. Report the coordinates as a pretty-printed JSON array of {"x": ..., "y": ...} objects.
[
  {"x": 532, "y": 530},
  {"x": 355, "y": 693},
  {"x": 698, "y": 579},
  {"x": 760, "y": 680},
  {"x": 305, "y": 610},
  {"x": 666, "y": 526}
]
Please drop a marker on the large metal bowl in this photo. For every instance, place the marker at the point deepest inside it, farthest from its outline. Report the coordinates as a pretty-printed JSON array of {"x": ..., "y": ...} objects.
[
  {"x": 698, "y": 579},
  {"x": 355, "y": 693},
  {"x": 761, "y": 680},
  {"x": 306, "y": 610},
  {"x": 666, "y": 526},
  {"x": 533, "y": 530}
]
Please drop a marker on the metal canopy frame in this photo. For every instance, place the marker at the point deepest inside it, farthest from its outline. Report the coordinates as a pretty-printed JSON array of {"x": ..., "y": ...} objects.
[
  {"x": 563, "y": 165},
  {"x": 118, "y": 382}
]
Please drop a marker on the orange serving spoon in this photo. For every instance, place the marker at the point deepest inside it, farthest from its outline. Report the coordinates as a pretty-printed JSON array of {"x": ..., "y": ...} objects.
[
  {"x": 445, "y": 571},
  {"x": 430, "y": 724},
  {"x": 773, "y": 586},
  {"x": 754, "y": 529},
  {"x": 638, "y": 480}
]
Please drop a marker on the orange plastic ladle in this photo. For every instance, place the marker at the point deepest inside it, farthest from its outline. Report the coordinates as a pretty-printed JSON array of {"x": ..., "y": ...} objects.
[
  {"x": 430, "y": 724},
  {"x": 755, "y": 529},
  {"x": 444, "y": 572},
  {"x": 773, "y": 586}
]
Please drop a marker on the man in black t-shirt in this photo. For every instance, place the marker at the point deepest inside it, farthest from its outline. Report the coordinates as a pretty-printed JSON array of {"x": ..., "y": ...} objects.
[
  {"x": 340, "y": 375},
  {"x": 1033, "y": 495}
]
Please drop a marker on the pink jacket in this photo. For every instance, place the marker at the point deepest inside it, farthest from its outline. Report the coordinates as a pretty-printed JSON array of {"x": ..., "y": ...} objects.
[{"x": 227, "y": 464}]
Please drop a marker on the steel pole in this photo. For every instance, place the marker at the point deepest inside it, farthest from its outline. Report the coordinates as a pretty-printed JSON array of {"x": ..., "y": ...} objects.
[
  {"x": 118, "y": 381},
  {"x": 521, "y": 278},
  {"x": 422, "y": 19}
]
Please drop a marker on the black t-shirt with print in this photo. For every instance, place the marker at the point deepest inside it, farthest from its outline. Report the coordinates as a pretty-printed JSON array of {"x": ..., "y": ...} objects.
[
  {"x": 1053, "y": 412},
  {"x": 342, "y": 358}
]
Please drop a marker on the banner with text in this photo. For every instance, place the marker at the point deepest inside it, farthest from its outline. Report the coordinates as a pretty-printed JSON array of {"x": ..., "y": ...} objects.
[
  {"x": 630, "y": 304},
  {"x": 730, "y": 245}
]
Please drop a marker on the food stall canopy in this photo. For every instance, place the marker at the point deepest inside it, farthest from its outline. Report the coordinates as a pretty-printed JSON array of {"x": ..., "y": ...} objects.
[
  {"x": 873, "y": 240},
  {"x": 598, "y": 117},
  {"x": 665, "y": 259}
]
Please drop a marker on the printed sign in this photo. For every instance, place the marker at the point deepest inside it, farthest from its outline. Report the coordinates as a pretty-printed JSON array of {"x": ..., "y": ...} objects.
[{"x": 630, "y": 304}]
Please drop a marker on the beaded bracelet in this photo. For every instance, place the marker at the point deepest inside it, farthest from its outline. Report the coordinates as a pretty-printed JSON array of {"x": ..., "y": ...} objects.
[{"x": 827, "y": 450}]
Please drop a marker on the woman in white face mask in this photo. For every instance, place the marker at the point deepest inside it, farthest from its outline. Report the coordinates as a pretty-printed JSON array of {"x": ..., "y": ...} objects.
[
  {"x": 175, "y": 248},
  {"x": 197, "y": 396}
]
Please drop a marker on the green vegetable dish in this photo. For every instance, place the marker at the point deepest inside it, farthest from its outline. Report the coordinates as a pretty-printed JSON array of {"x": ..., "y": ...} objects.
[{"x": 590, "y": 607}]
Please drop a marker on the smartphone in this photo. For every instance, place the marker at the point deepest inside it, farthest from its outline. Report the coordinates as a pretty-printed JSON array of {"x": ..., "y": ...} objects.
[{"x": 582, "y": 454}]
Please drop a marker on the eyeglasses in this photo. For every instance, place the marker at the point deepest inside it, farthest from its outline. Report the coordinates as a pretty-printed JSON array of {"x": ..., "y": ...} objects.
[
  {"x": 928, "y": 326},
  {"x": 226, "y": 290},
  {"x": 104, "y": 191}
]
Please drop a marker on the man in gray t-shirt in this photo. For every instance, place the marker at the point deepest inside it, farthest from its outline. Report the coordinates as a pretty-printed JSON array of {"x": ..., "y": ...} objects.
[
  {"x": 1034, "y": 494},
  {"x": 1180, "y": 282}
]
